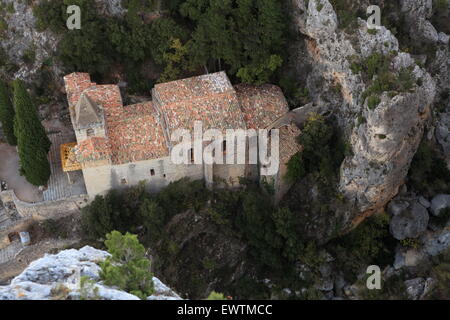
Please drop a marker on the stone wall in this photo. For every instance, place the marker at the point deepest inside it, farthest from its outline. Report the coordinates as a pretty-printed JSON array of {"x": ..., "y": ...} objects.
[
  {"x": 157, "y": 173},
  {"x": 46, "y": 209}
]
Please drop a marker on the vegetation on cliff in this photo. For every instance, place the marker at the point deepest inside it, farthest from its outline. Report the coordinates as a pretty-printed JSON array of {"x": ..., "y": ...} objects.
[
  {"x": 245, "y": 38},
  {"x": 7, "y": 113}
]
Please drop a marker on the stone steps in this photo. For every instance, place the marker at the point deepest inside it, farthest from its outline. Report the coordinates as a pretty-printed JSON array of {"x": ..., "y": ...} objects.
[
  {"x": 56, "y": 189},
  {"x": 58, "y": 184}
]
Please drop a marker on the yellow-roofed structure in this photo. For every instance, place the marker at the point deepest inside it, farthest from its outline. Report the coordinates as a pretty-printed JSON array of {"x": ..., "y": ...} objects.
[{"x": 68, "y": 158}]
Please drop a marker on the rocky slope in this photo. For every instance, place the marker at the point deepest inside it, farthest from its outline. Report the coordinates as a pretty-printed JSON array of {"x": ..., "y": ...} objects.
[
  {"x": 58, "y": 277},
  {"x": 387, "y": 138}
]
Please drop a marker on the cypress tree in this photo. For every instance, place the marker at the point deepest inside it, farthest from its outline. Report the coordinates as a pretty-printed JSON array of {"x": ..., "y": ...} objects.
[
  {"x": 32, "y": 141},
  {"x": 7, "y": 114}
]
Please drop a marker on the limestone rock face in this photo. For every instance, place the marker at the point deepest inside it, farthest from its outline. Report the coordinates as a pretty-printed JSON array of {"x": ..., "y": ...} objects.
[
  {"x": 22, "y": 37},
  {"x": 409, "y": 223},
  {"x": 383, "y": 146},
  {"x": 439, "y": 202},
  {"x": 57, "y": 276},
  {"x": 417, "y": 13}
]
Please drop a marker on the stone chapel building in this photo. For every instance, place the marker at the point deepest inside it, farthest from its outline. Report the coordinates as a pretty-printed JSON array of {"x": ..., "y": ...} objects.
[{"x": 121, "y": 145}]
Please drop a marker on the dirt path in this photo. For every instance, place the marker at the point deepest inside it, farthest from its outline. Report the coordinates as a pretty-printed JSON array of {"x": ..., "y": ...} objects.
[{"x": 9, "y": 172}]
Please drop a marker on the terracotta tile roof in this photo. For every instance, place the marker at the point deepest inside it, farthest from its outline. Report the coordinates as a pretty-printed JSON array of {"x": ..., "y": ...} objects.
[
  {"x": 261, "y": 105},
  {"x": 93, "y": 149},
  {"x": 108, "y": 97},
  {"x": 136, "y": 132},
  {"x": 209, "y": 98},
  {"x": 288, "y": 142},
  {"x": 75, "y": 84},
  {"x": 136, "y": 135},
  {"x": 219, "y": 111},
  {"x": 193, "y": 88}
]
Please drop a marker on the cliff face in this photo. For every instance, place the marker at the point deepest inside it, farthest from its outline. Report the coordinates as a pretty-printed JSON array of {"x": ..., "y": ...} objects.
[
  {"x": 58, "y": 276},
  {"x": 385, "y": 142}
]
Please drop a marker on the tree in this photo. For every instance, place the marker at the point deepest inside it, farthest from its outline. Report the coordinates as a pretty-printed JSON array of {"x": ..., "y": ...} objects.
[
  {"x": 153, "y": 218},
  {"x": 97, "y": 218},
  {"x": 7, "y": 114},
  {"x": 127, "y": 267},
  {"x": 32, "y": 141},
  {"x": 175, "y": 62},
  {"x": 244, "y": 36}
]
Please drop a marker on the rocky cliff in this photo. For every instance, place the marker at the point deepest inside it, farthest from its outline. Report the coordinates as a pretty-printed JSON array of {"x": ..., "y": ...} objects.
[
  {"x": 384, "y": 138},
  {"x": 58, "y": 276}
]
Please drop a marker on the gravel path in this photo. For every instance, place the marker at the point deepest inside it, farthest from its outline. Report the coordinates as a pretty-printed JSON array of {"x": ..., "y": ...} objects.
[{"x": 9, "y": 172}]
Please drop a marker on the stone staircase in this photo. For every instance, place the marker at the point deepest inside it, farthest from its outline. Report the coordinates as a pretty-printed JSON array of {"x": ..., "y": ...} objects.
[{"x": 58, "y": 184}]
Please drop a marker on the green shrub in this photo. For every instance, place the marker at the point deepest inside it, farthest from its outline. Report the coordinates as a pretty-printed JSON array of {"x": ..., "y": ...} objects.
[
  {"x": 370, "y": 243},
  {"x": 428, "y": 173},
  {"x": 322, "y": 154},
  {"x": 29, "y": 56},
  {"x": 347, "y": 12},
  {"x": 216, "y": 296},
  {"x": 127, "y": 267},
  {"x": 412, "y": 243},
  {"x": 373, "y": 102}
]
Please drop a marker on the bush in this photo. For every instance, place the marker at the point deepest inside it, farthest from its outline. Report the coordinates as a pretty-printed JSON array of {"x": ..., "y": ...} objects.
[
  {"x": 322, "y": 154},
  {"x": 370, "y": 243},
  {"x": 127, "y": 268},
  {"x": 428, "y": 173},
  {"x": 373, "y": 102},
  {"x": 50, "y": 14}
]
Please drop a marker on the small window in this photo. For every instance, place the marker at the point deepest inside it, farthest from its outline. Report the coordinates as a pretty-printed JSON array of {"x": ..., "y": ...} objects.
[
  {"x": 123, "y": 181},
  {"x": 152, "y": 172},
  {"x": 90, "y": 132},
  {"x": 224, "y": 146},
  {"x": 192, "y": 155},
  {"x": 164, "y": 175}
]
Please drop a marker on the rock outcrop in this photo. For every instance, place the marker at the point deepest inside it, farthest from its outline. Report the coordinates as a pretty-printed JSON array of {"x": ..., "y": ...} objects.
[
  {"x": 385, "y": 143},
  {"x": 58, "y": 277}
]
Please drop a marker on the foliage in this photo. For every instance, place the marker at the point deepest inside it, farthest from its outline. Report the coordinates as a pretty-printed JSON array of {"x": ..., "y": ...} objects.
[
  {"x": 373, "y": 102},
  {"x": 175, "y": 61},
  {"x": 88, "y": 290},
  {"x": 246, "y": 38},
  {"x": 347, "y": 12},
  {"x": 296, "y": 94},
  {"x": 392, "y": 288},
  {"x": 32, "y": 142},
  {"x": 322, "y": 154},
  {"x": 216, "y": 296},
  {"x": 132, "y": 207},
  {"x": 163, "y": 31},
  {"x": 7, "y": 114},
  {"x": 413, "y": 243},
  {"x": 127, "y": 267},
  {"x": 246, "y": 35},
  {"x": 428, "y": 173},
  {"x": 441, "y": 15},
  {"x": 376, "y": 71},
  {"x": 441, "y": 274},
  {"x": 50, "y": 15},
  {"x": 370, "y": 243}
]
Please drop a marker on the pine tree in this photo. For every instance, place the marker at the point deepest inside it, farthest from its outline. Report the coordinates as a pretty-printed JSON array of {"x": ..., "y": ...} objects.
[
  {"x": 32, "y": 141},
  {"x": 127, "y": 267},
  {"x": 7, "y": 114}
]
